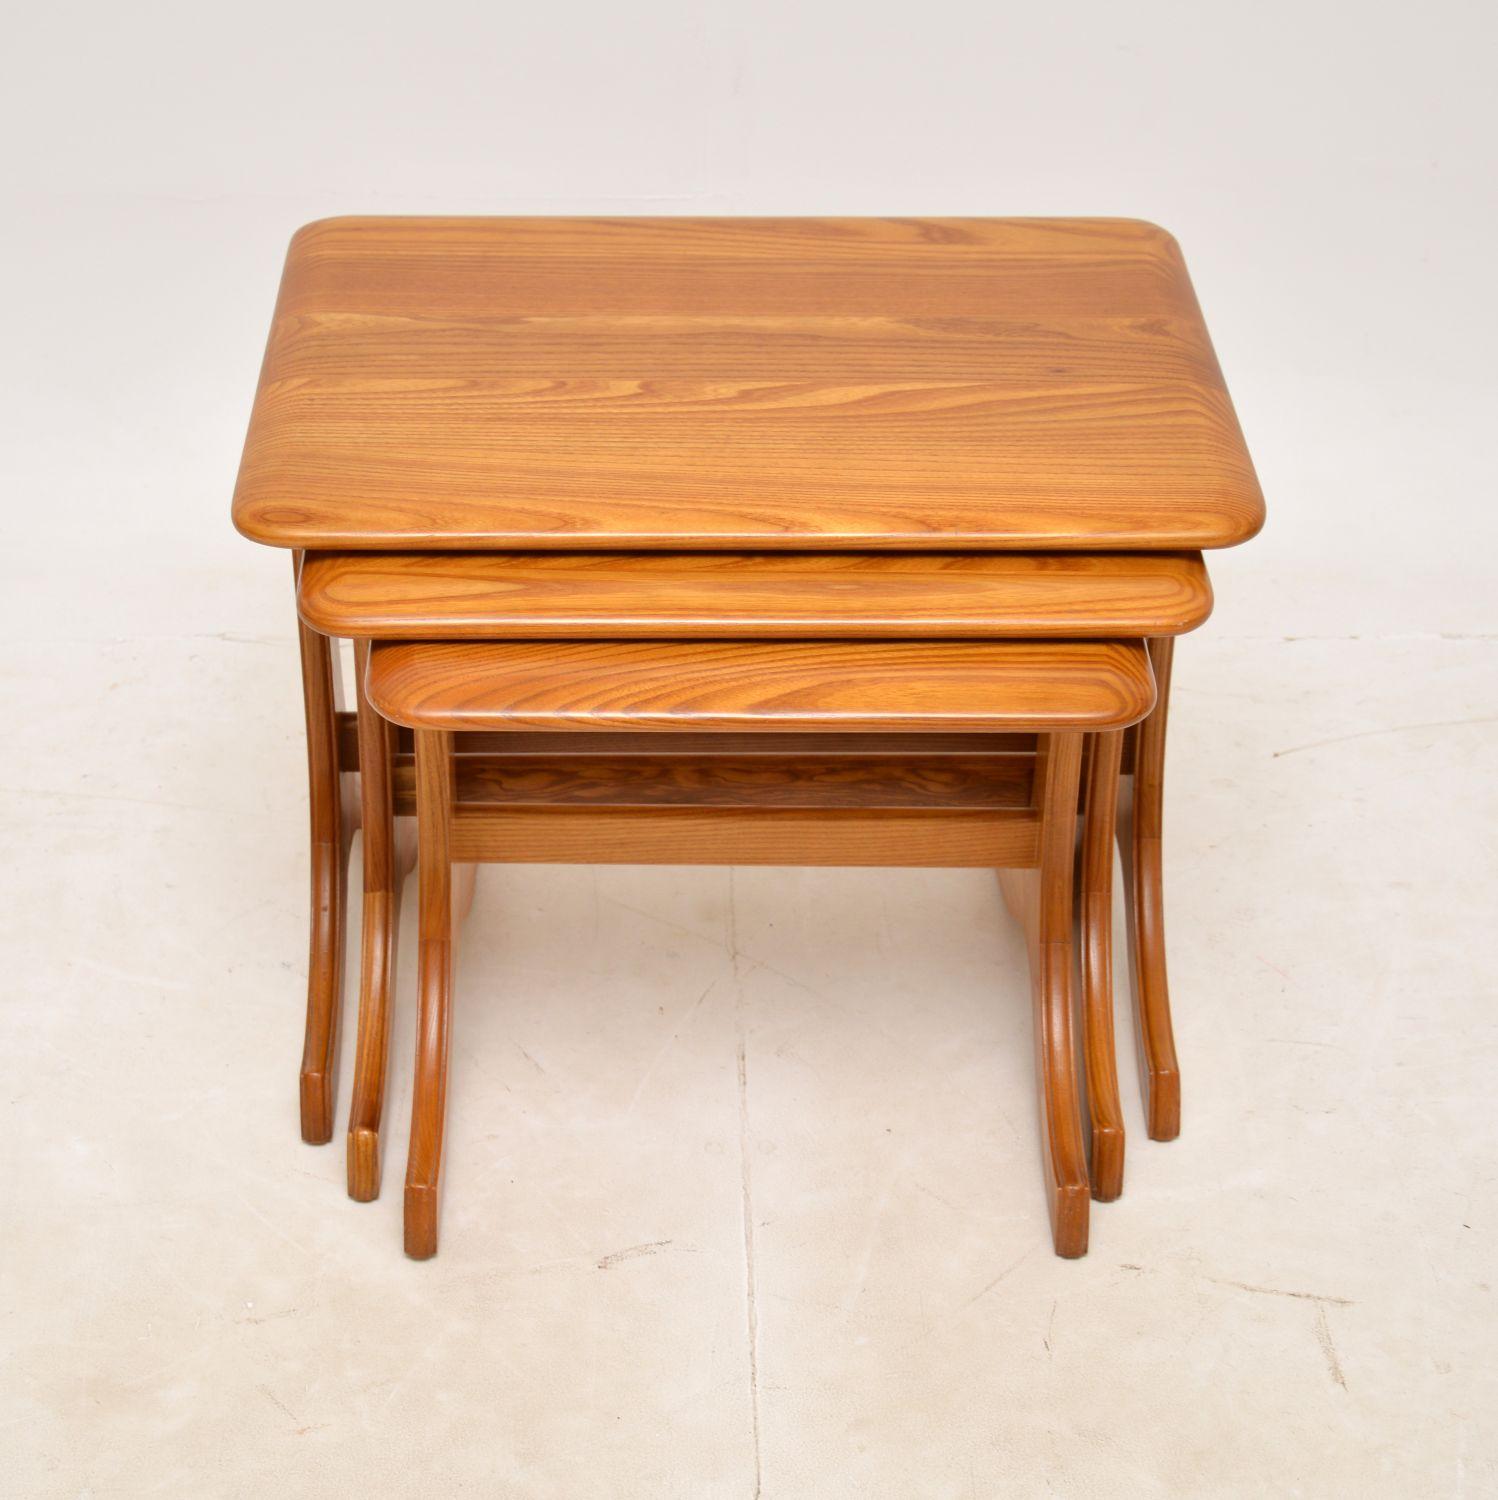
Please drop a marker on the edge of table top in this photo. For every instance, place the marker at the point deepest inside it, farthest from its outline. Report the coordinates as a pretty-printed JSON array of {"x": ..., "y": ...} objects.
[{"x": 486, "y": 596}]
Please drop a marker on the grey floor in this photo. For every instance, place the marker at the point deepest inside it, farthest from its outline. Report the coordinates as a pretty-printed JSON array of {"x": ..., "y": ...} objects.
[{"x": 743, "y": 1195}]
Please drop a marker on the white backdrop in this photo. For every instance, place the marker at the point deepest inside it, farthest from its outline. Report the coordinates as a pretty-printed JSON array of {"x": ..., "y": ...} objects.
[
  {"x": 1293, "y": 1299},
  {"x": 1330, "y": 174}
]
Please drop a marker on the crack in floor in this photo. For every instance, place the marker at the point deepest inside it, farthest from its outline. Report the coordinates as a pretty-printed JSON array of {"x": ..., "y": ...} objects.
[{"x": 1368, "y": 734}]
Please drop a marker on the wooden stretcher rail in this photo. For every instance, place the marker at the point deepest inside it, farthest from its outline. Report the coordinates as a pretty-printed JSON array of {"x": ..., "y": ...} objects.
[
  {"x": 801, "y": 781},
  {"x": 623, "y": 742},
  {"x": 745, "y": 836}
]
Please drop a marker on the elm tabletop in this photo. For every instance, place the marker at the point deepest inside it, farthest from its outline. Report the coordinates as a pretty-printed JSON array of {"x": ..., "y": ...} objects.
[{"x": 755, "y": 383}]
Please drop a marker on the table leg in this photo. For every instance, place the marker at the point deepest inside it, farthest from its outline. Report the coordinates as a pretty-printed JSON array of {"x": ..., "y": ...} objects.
[
  {"x": 1104, "y": 1109},
  {"x": 434, "y": 799},
  {"x": 1140, "y": 836},
  {"x": 388, "y": 855},
  {"x": 1042, "y": 899},
  {"x": 329, "y": 849}
]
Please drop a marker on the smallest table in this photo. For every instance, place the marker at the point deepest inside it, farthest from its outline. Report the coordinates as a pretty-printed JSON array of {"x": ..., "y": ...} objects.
[{"x": 1058, "y": 691}]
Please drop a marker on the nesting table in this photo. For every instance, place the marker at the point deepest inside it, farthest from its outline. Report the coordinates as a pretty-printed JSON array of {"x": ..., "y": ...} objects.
[{"x": 822, "y": 541}]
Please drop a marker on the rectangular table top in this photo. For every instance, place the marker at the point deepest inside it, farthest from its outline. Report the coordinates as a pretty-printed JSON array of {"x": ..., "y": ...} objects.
[
  {"x": 741, "y": 383},
  {"x": 869, "y": 595}
]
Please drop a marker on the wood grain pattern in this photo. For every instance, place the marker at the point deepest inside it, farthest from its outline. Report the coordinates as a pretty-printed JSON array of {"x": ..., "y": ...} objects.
[
  {"x": 1042, "y": 900},
  {"x": 1034, "y": 842},
  {"x": 865, "y": 781},
  {"x": 792, "y": 383},
  {"x": 514, "y": 596},
  {"x": 689, "y": 744},
  {"x": 1096, "y": 889},
  {"x": 435, "y": 979},
  {"x": 738, "y": 836},
  {"x": 1142, "y": 832},
  {"x": 755, "y": 687},
  {"x": 333, "y": 821},
  {"x": 387, "y": 856}
]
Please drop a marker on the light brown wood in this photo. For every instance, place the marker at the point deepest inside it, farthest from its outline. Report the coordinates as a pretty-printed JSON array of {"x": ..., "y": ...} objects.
[
  {"x": 1142, "y": 830},
  {"x": 435, "y": 981},
  {"x": 332, "y": 825},
  {"x": 761, "y": 687},
  {"x": 512, "y": 596},
  {"x": 791, "y": 383},
  {"x": 1099, "y": 1062},
  {"x": 465, "y": 886},
  {"x": 605, "y": 744},
  {"x": 970, "y": 782},
  {"x": 1038, "y": 837},
  {"x": 388, "y": 855},
  {"x": 717, "y": 836},
  {"x": 1042, "y": 900}
]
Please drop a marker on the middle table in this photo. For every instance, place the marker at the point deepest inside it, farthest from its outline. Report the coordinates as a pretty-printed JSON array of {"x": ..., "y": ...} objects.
[{"x": 694, "y": 796}]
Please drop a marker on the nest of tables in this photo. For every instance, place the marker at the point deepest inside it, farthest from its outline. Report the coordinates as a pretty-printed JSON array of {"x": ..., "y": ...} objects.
[{"x": 745, "y": 541}]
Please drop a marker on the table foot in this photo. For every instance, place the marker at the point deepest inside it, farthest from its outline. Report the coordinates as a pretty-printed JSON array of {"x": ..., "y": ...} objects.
[
  {"x": 363, "y": 1164},
  {"x": 421, "y": 1221}
]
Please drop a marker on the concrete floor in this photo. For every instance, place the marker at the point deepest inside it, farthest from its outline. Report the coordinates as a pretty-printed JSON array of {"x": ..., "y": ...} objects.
[{"x": 743, "y": 1193}]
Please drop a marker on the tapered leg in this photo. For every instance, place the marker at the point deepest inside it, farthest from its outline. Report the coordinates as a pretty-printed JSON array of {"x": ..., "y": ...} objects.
[
  {"x": 1043, "y": 900},
  {"x": 388, "y": 854},
  {"x": 434, "y": 796},
  {"x": 1105, "y": 1112},
  {"x": 330, "y": 836},
  {"x": 1141, "y": 834}
]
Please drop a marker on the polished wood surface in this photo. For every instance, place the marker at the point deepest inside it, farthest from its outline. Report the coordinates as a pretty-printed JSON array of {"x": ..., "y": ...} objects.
[
  {"x": 333, "y": 820},
  {"x": 510, "y": 595},
  {"x": 760, "y": 383},
  {"x": 1042, "y": 900},
  {"x": 870, "y": 782},
  {"x": 1141, "y": 833},
  {"x": 1033, "y": 842},
  {"x": 761, "y": 687},
  {"x": 1096, "y": 923},
  {"x": 435, "y": 965},
  {"x": 387, "y": 856},
  {"x": 739, "y": 836},
  {"x": 686, "y": 743}
]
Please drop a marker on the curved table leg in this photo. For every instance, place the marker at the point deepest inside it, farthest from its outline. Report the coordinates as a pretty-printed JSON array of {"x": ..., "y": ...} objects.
[
  {"x": 434, "y": 798},
  {"x": 388, "y": 855},
  {"x": 1043, "y": 900},
  {"x": 331, "y": 832},
  {"x": 1105, "y": 1112},
  {"x": 1161, "y": 1074}
]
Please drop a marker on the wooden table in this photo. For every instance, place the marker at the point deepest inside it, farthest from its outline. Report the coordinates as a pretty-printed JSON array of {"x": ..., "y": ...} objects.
[{"x": 750, "y": 387}]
